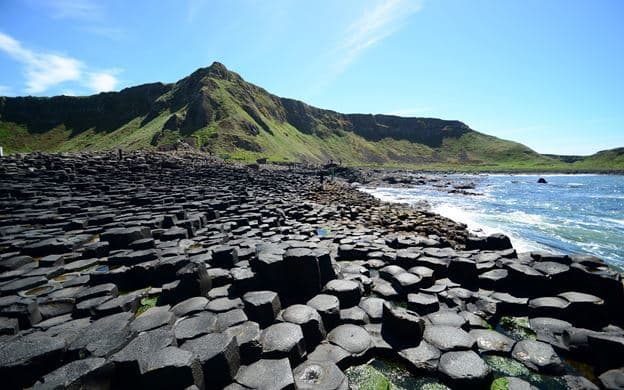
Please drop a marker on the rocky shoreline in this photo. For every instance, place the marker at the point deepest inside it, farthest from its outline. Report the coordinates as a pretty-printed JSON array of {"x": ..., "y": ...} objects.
[{"x": 169, "y": 270}]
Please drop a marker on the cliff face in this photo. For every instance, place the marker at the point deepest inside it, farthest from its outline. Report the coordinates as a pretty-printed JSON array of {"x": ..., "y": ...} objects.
[
  {"x": 195, "y": 96},
  {"x": 223, "y": 113},
  {"x": 104, "y": 112}
]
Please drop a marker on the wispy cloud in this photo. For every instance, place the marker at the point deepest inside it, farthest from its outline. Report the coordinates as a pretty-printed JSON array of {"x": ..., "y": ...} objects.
[
  {"x": 87, "y": 16},
  {"x": 43, "y": 70},
  {"x": 376, "y": 24},
  {"x": 76, "y": 9},
  {"x": 381, "y": 19}
]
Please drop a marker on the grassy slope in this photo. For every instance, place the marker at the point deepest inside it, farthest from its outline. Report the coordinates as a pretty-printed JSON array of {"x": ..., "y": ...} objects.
[{"x": 470, "y": 152}]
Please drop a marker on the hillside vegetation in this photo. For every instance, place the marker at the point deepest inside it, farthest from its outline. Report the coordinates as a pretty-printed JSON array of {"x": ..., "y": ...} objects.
[{"x": 215, "y": 110}]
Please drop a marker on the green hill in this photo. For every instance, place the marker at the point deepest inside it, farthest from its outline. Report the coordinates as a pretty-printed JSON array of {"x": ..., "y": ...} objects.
[{"x": 215, "y": 110}]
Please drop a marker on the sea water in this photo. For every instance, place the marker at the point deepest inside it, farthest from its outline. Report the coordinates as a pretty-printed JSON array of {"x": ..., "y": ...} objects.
[{"x": 570, "y": 214}]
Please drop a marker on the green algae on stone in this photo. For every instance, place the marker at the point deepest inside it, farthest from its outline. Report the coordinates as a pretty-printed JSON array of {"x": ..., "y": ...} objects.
[
  {"x": 146, "y": 303},
  {"x": 365, "y": 377},
  {"x": 503, "y": 366},
  {"x": 500, "y": 384},
  {"x": 517, "y": 328},
  {"x": 506, "y": 366},
  {"x": 388, "y": 374}
]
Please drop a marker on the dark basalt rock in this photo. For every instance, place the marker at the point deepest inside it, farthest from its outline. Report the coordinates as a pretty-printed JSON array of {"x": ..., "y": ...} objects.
[
  {"x": 79, "y": 374},
  {"x": 153, "y": 318},
  {"x": 172, "y": 367},
  {"x": 219, "y": 356},
  {"x": 422, "y": 359},
  {"x": 262, "y": 306},
  {"x": 255, "y": 375},
  {"x": 490, "y": 341},
  {"x": 119, "y": 238},
  {"x": 133, "y": 357},
  {"x": 422, "y": 303},
  {"x": 331, "y": 353},
  {"x": 319, "y": 375},
  {"x": 537, "y": 356},
  {"x": 25, "y": 359},
  {"x": 373, "y": 307},
  {"x": 464, "y": 369},
  {"x": 190, "y": 306},
  {"x": 613, "y": 379},
  {"x": 227, "y": 246},
  {"x": 448, "y": 338},
  {"x": 309, "y": 320},
  {"x": 194, "y": 326},
  {"x": 347, "y": 292},
  {"x": 283, "y": 340},
  {"x": 401, "y": 327},
  {"x": 103, "y": 337},
  {"x": 352, "y": 338}
]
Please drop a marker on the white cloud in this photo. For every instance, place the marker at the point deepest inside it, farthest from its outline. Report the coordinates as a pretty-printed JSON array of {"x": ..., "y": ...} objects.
[
  {"x": 102, "y": 81},
  {"x": 44, "y": 70},
  {"x": 75, "y": 9},
  {"x": 372, "y": 27}
]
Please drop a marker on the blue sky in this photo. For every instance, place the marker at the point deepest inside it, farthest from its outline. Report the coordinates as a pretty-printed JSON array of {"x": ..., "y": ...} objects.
[{"x": 547, "y": 73}]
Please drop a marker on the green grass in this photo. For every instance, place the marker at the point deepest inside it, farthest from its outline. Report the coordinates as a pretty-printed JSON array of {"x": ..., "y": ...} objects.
[{"x": 236, "y": 107}]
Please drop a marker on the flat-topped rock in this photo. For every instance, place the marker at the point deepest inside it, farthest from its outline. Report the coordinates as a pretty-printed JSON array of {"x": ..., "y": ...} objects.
[
  {"x": 255, "y": 375},
  {"x": 464, "y": 369},
  {"x": 421, "y": 359},
  {"x": 347, "y": 292},
  {"x": 283, "y": 340},
  {"x": 448, "y": 338},
  {"x": 319, "y": 375},
  {"x": 490, "y": 341},
  {"x": 537, "y": 356}
]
